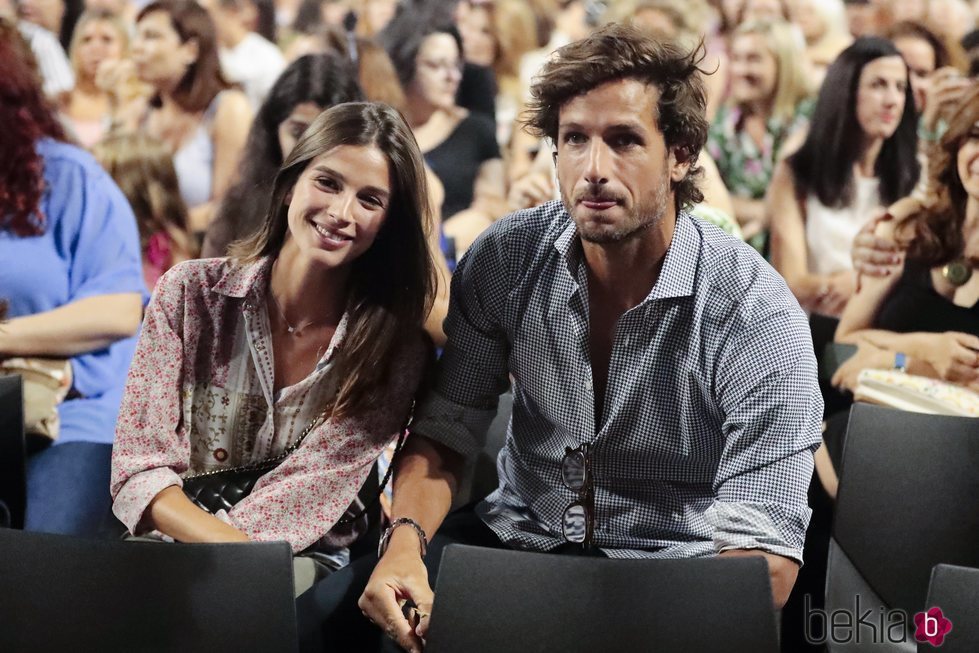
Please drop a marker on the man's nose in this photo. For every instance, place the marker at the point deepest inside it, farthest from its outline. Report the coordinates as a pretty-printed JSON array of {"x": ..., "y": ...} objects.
[{"x": 596, "y": 171}]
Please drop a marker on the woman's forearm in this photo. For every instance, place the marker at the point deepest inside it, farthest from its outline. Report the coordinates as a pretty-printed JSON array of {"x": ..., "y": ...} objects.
[
  {"x": 77, "y": 328},
  {"x": 173, "y": 514},
  {"x": 914, "y": 346}
]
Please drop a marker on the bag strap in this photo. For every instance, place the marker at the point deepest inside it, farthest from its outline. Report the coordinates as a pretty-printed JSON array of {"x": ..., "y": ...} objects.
[
  {"x": 268, "y": 463},
  {"x": 387, "y": 475},
  {"x": 271, "y": 463}
]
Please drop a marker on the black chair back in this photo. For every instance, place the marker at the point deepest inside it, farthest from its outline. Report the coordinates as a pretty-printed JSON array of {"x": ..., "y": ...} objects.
[
  {"x": 61, "y": 593},
  {"x": 13, "y": 483},
  {"x": 906, "y": 502},
  {"x": 956, "y": 591},
  {"x": 490, "y": 600}
]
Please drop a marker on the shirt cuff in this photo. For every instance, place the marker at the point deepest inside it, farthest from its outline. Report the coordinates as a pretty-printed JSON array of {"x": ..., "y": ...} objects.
[
  {"x": 456, "y": 426},
  {"x": 751, "y": 526},
  {"x": 137, "y": 493}
]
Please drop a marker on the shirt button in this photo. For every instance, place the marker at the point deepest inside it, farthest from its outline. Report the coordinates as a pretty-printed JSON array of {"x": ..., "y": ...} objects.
[{"x": 588, "y": 386}]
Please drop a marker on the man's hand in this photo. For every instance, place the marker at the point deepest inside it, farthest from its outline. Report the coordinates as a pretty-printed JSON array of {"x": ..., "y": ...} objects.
[{"x": 400, "y": 575}]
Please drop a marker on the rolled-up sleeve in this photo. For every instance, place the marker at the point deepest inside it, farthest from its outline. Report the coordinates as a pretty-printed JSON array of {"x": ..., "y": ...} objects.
[
  {"x": 773, "y": 410},
  {"x": 473, "y": 370},
  {"x": 151, "y": 449}
]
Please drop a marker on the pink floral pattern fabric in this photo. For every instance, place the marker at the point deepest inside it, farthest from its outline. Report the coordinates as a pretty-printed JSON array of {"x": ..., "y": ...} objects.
[{"x": 199, "y": 396}]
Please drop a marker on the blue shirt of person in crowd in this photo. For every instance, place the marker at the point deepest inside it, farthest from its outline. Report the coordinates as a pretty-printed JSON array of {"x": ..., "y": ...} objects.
[{"x": 90, "y": 247}]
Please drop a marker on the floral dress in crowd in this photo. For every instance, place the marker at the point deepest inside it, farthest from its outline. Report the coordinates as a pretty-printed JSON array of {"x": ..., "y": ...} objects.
[{"x": 745, "y": 168}]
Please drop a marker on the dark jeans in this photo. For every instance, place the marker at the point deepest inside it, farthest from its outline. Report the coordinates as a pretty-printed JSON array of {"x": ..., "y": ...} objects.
[
  {"x": 68, "y": 488},
  {"x": 329, "y": 619}
]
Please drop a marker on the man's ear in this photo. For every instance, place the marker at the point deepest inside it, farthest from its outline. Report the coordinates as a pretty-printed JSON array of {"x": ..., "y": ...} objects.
[{"x": 680, "y": 159}]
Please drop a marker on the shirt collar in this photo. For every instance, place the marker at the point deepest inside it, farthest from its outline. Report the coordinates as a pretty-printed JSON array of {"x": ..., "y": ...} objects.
[
  {"x": 680, "y": 266},
  {"x": 241, "y": 279}
]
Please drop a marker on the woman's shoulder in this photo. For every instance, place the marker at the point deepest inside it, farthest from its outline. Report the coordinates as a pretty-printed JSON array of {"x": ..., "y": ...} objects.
[{"x": 201, "y": 272}]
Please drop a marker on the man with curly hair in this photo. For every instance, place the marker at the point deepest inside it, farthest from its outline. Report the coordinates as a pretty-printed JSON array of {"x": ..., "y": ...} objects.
[{"x": 665, "y": 401}]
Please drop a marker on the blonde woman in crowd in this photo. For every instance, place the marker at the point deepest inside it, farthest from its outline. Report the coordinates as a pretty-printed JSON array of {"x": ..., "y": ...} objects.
[
  {"x": 769, "y": 101},
  {"x": 143, "y": 170},
  {"x": 100, "y": 37},
  {"x": 824, "y": 26}
]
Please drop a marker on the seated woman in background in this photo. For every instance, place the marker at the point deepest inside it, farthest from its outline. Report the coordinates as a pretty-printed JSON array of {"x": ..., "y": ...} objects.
[
  {"x": 858, "y": 155},
  {"x": 459, "y": 146},
  {"x": 309, "y": 333},
  {"x": 70, "y": 272},
  {"x": 768, "y": 102},
  {"x": 193, "y": 112},
  {"x": 929, "y": 311},
  {"x": 143, "y": 170},
  {"x": 306, "y": 87},
  {"x": 100, "y": 36}
]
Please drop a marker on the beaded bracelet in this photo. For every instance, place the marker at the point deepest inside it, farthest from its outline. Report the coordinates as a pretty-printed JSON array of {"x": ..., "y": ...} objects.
[{"x": 382, "y": 546}]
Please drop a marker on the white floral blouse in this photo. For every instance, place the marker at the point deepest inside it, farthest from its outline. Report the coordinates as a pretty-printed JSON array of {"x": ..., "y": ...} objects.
[{"x": 200, "y": 396}]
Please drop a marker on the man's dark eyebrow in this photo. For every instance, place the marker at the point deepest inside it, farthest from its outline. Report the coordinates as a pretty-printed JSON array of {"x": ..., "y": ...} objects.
[{"x": 370, "y": 189}]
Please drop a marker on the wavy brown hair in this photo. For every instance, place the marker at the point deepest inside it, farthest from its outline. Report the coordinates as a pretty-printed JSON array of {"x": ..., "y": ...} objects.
[
  {"x": 26, "y": 117},
  {"x": 933, "y": 235},
  {"x": 617, "y": 52},
  {"x": 392, "y": 284}
]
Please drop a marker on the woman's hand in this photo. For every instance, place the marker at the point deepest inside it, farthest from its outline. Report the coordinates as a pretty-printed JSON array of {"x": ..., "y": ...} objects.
[
  {"x": 834, "y": 293},
  {"x": 953, "y": 355},
  {"x": 948, "y": 85},
  {"x": 532, "y": 189},
  {"x": 867, "y": 356}
]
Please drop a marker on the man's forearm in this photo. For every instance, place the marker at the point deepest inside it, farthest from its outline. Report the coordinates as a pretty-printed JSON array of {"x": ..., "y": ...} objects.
[
  {"x": 782, "y": 572},
  {"x": 425, "y": 480}
]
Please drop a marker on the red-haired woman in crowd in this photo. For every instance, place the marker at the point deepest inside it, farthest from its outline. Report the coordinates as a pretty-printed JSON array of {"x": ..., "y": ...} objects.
[{"x": 70, "y": 270}]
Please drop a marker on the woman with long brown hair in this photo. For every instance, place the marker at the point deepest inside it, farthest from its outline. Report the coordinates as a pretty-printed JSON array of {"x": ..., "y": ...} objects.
[
  {"x": 193, "y": 111},
  {"x": 927, "y": 316},
  {"x": 307, "y": 340}
]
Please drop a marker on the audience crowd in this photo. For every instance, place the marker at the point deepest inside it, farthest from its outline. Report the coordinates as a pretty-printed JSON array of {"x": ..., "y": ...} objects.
[{"x": 842, "y": 145}]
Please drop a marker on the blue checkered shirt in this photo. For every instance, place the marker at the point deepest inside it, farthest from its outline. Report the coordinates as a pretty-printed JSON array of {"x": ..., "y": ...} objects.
[{"x": 712, "y": 408}]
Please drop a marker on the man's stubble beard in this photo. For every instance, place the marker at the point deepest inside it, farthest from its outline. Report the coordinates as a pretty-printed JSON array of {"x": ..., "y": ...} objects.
[{"x": 634, "y": 224}]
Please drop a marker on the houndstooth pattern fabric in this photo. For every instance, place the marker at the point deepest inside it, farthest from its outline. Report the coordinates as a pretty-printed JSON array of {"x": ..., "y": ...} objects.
[{"x": 712, "y": 409}]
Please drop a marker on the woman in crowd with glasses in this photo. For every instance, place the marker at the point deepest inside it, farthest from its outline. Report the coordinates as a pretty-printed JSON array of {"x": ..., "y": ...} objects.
[
  {"x": 308, "y": 338},
  {"x": 460, "y": 147}
]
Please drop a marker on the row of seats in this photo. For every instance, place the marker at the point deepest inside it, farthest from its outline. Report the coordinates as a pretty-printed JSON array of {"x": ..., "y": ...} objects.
[{"x": 905, "y": 538}]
